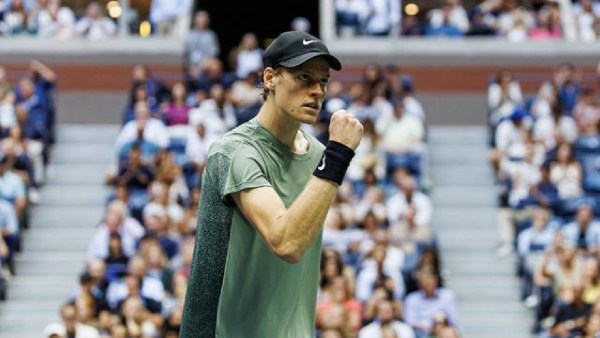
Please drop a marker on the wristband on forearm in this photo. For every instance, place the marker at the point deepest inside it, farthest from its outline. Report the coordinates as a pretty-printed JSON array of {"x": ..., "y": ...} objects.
[{"x": 336, "y": 159}]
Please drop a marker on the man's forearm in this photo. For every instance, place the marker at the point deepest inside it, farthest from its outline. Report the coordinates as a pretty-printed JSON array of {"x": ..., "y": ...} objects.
[{"x": 303, "y": 220}]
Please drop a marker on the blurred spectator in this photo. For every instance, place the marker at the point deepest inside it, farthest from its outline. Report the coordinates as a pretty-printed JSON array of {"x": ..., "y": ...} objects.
[
  {"x": 212, "y": 73},
  {"x": 143, "y": 128},
  {"x": 115, "y": 221},
  {"x": 16, "y": 18},
  {"x": 349, "y": 16},
  {"x": 570, "y": 317},
  {"x": 247, "y": 57},
  {"x": 177, "y": 110},
  {"x": 145, "y": 87},
  {"x": 202, "y": 43},
  {"x": 402, "y": 138},
  {"x": 450, "y": 20},
  {"x": 35, "y": 93},
  {"x": 421, "y": 307},
  {"x": 409, "y": 197},
  {"x": 412, "y": 106},
  {"x": 170, "y": 17},
  {"x": 383, "y": 18},
  {"x": 216, "y": 113},
  {"x": 587, "y": 111},
  {"x": 70, "y": 326},
  {"x": 548, "y": 24},
  {"x": 386, "y": 319},
  {"x": 95, "y": 25},
  {"x": 503, "y": 96},
  {"x": 300, "y": 24},
  {"x": 56, "y": 21},
  {"x": 587, "y": 20},
  {"x": 555, "y": 128},
  {"x": 584, "y": 231},
  {"x": 515, "y": 21},
  {"x": 381, "y": 266},
  {"x": 12, "y": 187},
  {"x": 452, "y": 14},
  {"x": 566, "y": 173}
]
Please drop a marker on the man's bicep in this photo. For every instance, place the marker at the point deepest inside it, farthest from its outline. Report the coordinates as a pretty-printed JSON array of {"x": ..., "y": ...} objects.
[{"x": 262, "y": 207}]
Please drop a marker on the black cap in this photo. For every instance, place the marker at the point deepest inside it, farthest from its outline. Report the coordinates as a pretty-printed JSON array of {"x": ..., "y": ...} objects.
[{"x": 293, "y": 48}]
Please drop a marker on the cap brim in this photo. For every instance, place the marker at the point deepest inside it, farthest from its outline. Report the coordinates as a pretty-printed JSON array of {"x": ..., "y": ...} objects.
[{"x": 296, "y": 61}]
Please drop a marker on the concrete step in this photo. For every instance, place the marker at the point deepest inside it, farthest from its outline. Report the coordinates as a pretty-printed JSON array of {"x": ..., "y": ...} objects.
[
  {"x": 73, "y": 195},
  {"x": 43, "y": 268},
  {"x": 103, "y": 134},
  {"x": 83, "y": 153},
  {"x": 440, "y": 135},
  {"x": 84, "y": 173},
  {"x": 53, "y": 216},
  {"x": 472, "y": 217},
  {"x": 465, "y": 197},
  {"x": 461, "y": 175}
]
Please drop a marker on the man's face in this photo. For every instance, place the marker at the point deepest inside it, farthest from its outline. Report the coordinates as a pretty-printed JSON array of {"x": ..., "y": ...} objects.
[
  {"x": 299, "y": 92},
  {"x": 385, "y": 312}
]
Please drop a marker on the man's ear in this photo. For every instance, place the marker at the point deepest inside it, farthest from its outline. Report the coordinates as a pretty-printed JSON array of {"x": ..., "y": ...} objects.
[{"x": 269, "y": 78}]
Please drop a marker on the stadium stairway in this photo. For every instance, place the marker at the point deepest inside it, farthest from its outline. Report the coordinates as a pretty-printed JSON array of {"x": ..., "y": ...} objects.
[
  {"x": 465, "y": 220},
  {"x": 61, "y": 226}
]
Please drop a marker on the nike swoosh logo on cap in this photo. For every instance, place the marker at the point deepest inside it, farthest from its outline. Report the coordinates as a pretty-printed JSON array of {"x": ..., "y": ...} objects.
[{"x": 304, "y": 42}]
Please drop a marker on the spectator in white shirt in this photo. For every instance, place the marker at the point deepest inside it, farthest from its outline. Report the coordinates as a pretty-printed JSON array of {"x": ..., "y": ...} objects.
[
  {"x": 457, "y": 16},
  {"x": 398, "y": 205},
  {"x": 115, "y": 221},
  {"x": 216, "y": 113},
  {"x": 384, "y": 321},
  {"x": 170, "y": 17},
  {"x": 383, "y": 17},
  {"x": 56, "y": 21},
  {"x": 143, "y": 127},
  {"x": 95, "y": 25}
]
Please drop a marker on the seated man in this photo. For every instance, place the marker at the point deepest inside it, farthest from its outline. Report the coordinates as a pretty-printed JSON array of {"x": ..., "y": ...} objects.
[
  {"x": 12, "y": 188},
  {"x": 402, "y": 139},
  {"x": 386, "y": 319},
  {"x": 422, "y": 306},
  {"x": 115, "y": 221},
  {"x": 584, "y": 232},
  {"x": 143, "y": 127},
  {"x": 9, "y": 232}
]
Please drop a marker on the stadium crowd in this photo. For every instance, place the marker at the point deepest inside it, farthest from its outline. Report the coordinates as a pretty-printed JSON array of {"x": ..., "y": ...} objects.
[
  {"x": 514, "y": 20},
  {"x": 380, "y": 269},
  {"x": 98, "y": 20},
  {"x": 27, "y": 114},
  {"x": 546, "y": 156}
]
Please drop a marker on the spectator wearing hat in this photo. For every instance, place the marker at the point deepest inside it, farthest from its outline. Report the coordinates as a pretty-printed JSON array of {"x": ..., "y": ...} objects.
[
  {"x": 412, "y": 106},
  {"x": 70, "y": 325}
]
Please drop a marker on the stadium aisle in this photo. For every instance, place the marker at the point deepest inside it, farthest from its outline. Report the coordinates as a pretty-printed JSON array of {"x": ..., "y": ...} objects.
[
  {"x": 61, "y": 225},
  {"x": 465, "y": 221}
]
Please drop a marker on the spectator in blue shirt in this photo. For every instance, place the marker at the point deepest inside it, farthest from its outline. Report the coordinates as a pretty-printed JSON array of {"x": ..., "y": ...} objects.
[
  {"x": 584, "y": 232},
  {"x": 422, "y": 306}
]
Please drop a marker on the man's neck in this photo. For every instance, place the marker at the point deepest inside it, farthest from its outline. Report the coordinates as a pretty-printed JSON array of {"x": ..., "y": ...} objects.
[{"x": 283, "y": 127}]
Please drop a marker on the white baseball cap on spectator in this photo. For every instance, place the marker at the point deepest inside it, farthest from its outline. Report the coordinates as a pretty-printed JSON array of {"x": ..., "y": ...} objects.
[
  {"x": 154, "y": 210},
  {"x": 54, "y": 329}
]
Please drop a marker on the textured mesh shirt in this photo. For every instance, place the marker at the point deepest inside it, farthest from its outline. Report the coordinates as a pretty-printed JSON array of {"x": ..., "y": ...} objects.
[{"x": 238, "y": 287}]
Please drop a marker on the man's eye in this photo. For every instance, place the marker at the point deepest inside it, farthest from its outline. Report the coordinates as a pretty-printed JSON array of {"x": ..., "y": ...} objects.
[
  {"x": 324, "y": 82},
  {"x": 304, "y": 77}
]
